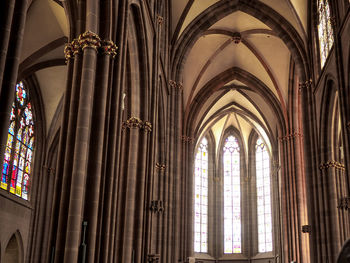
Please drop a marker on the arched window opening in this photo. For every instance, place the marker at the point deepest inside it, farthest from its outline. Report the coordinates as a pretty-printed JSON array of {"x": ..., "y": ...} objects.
[
  {"x": 325, "y": 30},
  {"x": 18, "y": 158},
  {"x": 232, "y": 196},
  {"x": 201, "y": 198},
  {"x": 263, "y": 197}
]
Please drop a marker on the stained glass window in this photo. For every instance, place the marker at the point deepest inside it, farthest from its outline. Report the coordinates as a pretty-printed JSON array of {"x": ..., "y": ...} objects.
[
  {"x": 263, "y": 197},
  {"x": 201, "y": 198},
  {"x": 325, "y": 30},
  {"x": 232, "y": 196},
  {"x": 17, "y": 166}
]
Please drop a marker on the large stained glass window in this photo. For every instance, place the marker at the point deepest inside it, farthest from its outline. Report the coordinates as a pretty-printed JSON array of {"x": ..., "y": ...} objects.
[
  {"x": 263, "y": 197},
  {"x": 232, "y": 196},
  {"x": 325, "y": 30},
  {"x": 17, "y": 166},
  {"x": 201, "y": 198}
]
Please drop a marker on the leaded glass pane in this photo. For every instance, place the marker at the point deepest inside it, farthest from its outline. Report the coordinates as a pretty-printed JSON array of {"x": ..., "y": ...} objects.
[
  {"x": 232, "y": 196},
  {"x": 201, "y": 198},
  {"x": 263, "y": 197},
  {"x": 325, "y": 30}
]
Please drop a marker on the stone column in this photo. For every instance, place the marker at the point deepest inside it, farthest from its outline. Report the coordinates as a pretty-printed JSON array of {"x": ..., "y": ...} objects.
[
  {"x": 6, "y": 17},
  {"x": 97, "y": 143},
  {"x": 9, "y": 61},
  {"x": 317, "y": 249}
]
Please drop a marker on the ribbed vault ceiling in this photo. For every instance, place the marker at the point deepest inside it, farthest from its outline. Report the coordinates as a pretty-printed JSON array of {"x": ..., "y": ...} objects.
[{"x": 213, "y": 104}]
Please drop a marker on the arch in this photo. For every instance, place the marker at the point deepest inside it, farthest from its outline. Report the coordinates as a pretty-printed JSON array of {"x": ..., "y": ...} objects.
[
  {"x": 262, "y": 12},
  {"x": 14, "y": 249},
  {"x": 138, "y": 67},
  {"x": 329, "y": 100},
  {"x": 217, "y": 82},
  {"x": 236, "y": 244}
]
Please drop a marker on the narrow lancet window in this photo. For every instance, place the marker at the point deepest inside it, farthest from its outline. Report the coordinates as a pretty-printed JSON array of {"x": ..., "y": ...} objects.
[
  {"x": 232, "y": 196},
  {"x": 325, "y": 30},
  {"x": 263, "y": 197},
  {"x": 17, "y": 166},
  {"x": 201, "y": 198}
]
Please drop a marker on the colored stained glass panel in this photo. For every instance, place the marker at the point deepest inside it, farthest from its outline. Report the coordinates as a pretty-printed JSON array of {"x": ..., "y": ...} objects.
[
  {"x": 201, "y": 198},
  {"x": 16, "y": 170},
  {"x": 263, "y": 197},
  {"x": 232, "y": 196}
]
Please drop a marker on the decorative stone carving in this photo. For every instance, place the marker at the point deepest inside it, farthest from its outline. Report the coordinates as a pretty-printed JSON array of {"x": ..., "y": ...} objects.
[
  {"x": 236, "y": 38},
  {"x": 135, "y": 122},
  {"x": 153, "y": 257},
  {"x": 332, "y": 164},
  {"x": 89, "y": 40},
  {"x": 175, "y": 85},
  {"x": 157, "y": 206},
  {"x": 290, "y": 136},
  {"x": 306, "y": 84},
  {"x": 344, "y": 203},
  {"x": 68, "y": 51},
  {"x": 160, "y": 19},
  {"x": 187, "y": 139},
  {"x": 306, "y": 229},
  {"x": 160, "y": 167},
  {"x": 108, "y": 47}
]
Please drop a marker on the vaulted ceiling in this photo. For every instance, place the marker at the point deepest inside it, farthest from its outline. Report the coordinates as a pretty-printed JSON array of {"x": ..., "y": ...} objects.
[{"x": 236, "y": 70}]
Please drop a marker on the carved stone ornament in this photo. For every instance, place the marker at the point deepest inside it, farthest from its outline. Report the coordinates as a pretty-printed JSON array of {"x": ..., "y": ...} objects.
[
  {"x": 157, "y": 206},
  {"x": 236, "y": 38},
  {"x": 306, "y": 229},
  {"x": 187, "y": 139},
  {"x": 89, "y": 40},
  {"x": 332, "y": 164},
  {"x": 306, "y": 84},
  {"x": 160, "y": 19},
  {"x": 147, "y": 126},
  {"x": 344, "y": 203},
  {"x": 160, "y": 167},
  {"x": 290, "y": 136},
  {"x": 76, "y": 46},
  {"x": 68, "y": 51},
  {"x": 135, "y": 122},
  {"x": 108, "y": 47},
  {"x": 153, "y": 257}
]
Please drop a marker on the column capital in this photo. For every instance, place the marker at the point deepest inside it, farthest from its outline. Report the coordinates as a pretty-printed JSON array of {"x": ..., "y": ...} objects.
[
  {"x": 135, "y": 122},
  {"x": 332, "y": 164},
  {"x": 305, "y": 85},
  {"x": 89, "y": 39},
  {"x": 290, "y": 136},
  {"x": 108, "y": 47}
]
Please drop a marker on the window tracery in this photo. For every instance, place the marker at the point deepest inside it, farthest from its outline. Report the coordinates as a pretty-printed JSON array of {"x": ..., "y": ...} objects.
[
  {"x": 201, "y": 198},
  {"x": 232, "y": 196},
  {"x": 263, "y": 197}
]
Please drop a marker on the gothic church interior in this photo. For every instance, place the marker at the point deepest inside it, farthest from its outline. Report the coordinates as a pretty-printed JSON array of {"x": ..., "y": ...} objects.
[{"x": 175, "y": 131}]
